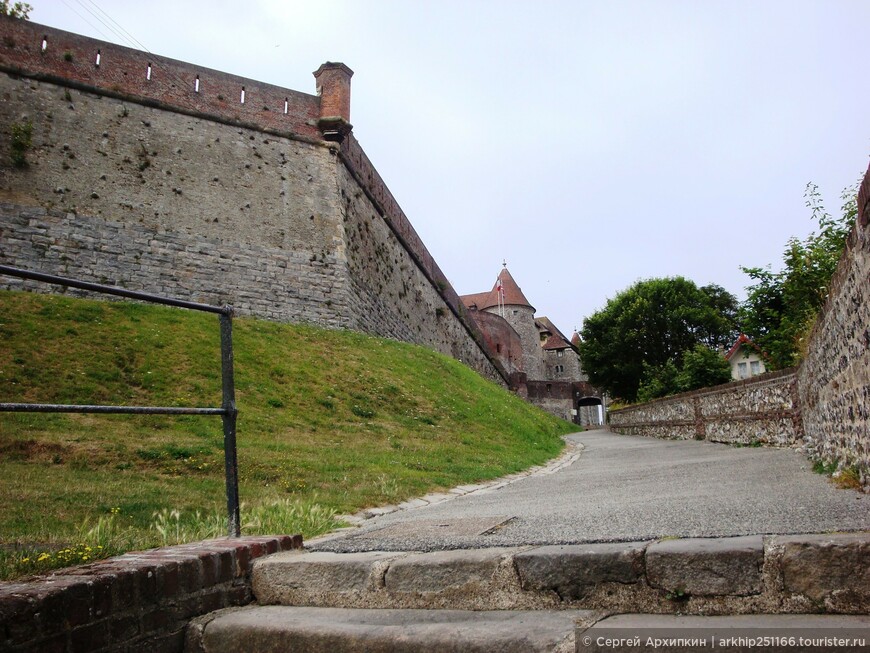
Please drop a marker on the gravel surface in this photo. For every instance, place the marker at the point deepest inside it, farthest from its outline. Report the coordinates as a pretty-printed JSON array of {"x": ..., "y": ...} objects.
[{"x": 627, "y": 488}]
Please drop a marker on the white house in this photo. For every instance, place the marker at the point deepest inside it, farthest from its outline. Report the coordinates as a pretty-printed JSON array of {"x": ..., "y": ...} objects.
[{"x": 745, "y": 359}]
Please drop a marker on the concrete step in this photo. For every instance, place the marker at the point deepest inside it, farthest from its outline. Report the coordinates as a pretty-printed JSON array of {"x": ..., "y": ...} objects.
[
  {"x": 738, "y": 575},
  {"x": 268, "y": 629}
]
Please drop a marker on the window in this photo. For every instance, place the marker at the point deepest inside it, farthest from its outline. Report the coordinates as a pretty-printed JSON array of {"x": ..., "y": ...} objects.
[
  {"x": 754, "y": 368},
  {"x": 498, "y": 348},
  {"x": 560, "y": 353},
  {"x": 741, "y": 371}
]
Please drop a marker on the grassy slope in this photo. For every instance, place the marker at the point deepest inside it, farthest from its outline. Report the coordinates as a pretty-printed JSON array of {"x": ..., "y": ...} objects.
[{"x": 333, "y": 419}]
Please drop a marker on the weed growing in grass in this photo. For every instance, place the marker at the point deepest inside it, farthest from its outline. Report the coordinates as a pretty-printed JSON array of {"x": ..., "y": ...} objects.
[
  {"x": 110, "y": 536},
  {"x": 362, "y": 411},
  {"x": 36, "y": 561},
  {"x": 826, "y": 468}
]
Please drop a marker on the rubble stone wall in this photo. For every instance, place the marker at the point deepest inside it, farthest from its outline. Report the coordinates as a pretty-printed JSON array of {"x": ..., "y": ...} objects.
[{"x": 760, "y": 410}]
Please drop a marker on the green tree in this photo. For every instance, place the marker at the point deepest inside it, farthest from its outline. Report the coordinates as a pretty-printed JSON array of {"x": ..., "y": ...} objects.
[
  {"x": 16, "y": 10},
  {"x": 658, "y": 381},
  {"x": 646, "y": 329},
  {"x": 723, "y": 331},
  {"x": 781, "y": 307},
  {"x": 701, "y": 367}
]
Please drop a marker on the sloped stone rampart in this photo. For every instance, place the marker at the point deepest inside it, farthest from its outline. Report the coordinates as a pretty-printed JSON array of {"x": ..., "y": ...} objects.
[{"x": 759, "y": 410}]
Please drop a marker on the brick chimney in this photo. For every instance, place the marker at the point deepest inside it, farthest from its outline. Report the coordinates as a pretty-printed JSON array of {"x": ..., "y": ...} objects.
[{"x": 333, "y": 87}]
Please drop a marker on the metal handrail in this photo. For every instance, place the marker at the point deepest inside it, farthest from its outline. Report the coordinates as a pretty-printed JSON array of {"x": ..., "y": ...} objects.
[{"x": 227, "y": 411}]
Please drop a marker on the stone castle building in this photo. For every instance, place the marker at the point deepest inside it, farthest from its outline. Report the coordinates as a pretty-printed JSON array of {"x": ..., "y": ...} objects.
[
  {"x": 543, "y": 363},
  {"x": 175, "y": 179}
]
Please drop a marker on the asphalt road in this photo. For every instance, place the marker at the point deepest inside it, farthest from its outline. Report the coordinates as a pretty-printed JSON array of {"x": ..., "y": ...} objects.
[{"x": 628, "y": 488}]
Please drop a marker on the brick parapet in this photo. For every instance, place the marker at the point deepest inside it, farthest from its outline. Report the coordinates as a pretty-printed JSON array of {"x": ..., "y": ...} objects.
[
  {"x": 71, "y": 59},
  {"x": 139, "y": 601}
]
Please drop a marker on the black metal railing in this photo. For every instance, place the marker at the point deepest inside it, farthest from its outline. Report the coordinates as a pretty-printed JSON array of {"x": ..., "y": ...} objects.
[{"x": 227, "y": 411}]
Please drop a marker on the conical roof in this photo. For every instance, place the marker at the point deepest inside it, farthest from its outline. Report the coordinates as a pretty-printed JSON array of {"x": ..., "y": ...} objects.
[{"x": 511, "y": 293}]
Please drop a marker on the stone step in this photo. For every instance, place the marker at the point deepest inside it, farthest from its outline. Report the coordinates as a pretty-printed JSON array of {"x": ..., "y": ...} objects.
[
  {"x": 267, "y": 629},
  {"x": 739, "y": 575}
]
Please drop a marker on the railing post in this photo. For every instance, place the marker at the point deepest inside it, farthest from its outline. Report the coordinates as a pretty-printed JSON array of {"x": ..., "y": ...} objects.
[
  {"x": 228, "y": 404},
  {"x": 227, "y": 411}
]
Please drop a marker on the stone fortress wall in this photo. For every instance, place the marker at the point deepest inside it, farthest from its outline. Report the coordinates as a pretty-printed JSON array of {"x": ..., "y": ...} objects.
[
  {"x": 822, "y": 406},
  {"x": 163, "y": 176}
]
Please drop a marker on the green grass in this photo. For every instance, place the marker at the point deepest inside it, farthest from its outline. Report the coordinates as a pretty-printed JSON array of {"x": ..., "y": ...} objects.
[
  {"x": 847, "y": 477},
  {"x": 330, "y": 422}
]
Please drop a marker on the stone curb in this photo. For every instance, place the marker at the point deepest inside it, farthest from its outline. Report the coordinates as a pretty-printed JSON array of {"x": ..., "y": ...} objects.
[
  {"x": 567, "y": 457},
  {"x": 772, "y": 574}
]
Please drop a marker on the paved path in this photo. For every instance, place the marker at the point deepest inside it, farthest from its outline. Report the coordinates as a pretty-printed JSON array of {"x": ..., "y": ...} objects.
[{"x": 628, "y": 488}]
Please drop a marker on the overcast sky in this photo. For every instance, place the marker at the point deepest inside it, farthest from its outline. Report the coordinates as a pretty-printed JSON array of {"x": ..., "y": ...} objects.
[{"x": 588, "y": 144}]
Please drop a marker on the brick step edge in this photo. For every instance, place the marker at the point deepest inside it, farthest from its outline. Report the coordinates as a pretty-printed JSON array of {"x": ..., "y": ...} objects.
[{"x": 138, "y": 601}]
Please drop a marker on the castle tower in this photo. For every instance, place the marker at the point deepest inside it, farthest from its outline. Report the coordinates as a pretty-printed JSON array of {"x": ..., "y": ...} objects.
[
  {"x": 507, "y": 300},
  {"x": 333, "y": 87}
]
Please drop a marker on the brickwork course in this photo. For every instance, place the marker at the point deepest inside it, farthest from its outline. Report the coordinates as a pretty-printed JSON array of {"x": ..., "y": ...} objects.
[{"x": 136, "y": 602}]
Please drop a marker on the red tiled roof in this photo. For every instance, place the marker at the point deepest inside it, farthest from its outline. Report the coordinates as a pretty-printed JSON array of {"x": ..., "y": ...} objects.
[
  {"x": 556, "y": 341},
  {"x": 543, "y": 323},
  {"x": 476, "y": 300},
  {"x": 742, "y": 340},
  {"x": 512, "y": 294},
  {"x": 547, "y": 324}
]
